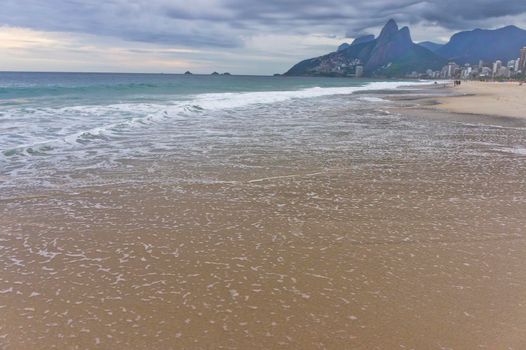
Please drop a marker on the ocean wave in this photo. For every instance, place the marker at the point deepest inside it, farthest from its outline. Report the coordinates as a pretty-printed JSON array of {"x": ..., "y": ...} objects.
[
  {"x": 82, "y": 124},
  {"x": 216, "y": 101}
]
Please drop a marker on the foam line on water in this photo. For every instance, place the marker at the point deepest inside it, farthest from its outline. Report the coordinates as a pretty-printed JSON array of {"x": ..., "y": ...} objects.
[
  {"x": 236, "y": 100},
  {"x": 141, "y": 114}
]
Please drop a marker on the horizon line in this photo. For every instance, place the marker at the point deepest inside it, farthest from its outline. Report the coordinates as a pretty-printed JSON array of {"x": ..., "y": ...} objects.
[{"x": 143, "y": 73}]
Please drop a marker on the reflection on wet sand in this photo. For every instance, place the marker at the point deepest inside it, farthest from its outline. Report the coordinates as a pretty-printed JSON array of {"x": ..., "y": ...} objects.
[{"x": 414, "y": 248}]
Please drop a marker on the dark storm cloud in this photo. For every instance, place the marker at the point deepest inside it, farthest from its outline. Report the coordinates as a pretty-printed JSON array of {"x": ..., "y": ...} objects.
[
  {"x": 465, "y": 14},
  {"x": 223, "y": 23}
]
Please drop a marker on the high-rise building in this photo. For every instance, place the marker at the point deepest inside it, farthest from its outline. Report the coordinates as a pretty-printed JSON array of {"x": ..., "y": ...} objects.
[
  {"x": 485, "y": 72},
  {"x": 451, "y": 70},
  {"x": 496, "y": 66},
  {"x": 522, "y": 64},
  {"x": 359, "y": 71},
  {"x": 503, "y": 72}
]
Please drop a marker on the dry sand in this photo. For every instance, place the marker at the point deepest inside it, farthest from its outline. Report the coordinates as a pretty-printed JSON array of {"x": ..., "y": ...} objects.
[{"x": 487, "y": 98}]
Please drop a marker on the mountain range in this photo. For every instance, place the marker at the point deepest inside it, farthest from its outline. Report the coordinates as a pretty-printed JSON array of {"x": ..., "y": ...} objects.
[
  {"x": 394, "y": 53},
  {"x": 359, "y": 40},
  {"x": 482, "y": 44},
  {"x": 431, "y": 45}
]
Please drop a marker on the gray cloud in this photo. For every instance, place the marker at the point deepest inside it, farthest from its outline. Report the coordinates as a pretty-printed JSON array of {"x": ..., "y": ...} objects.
[{"x": 224, "y": 23}]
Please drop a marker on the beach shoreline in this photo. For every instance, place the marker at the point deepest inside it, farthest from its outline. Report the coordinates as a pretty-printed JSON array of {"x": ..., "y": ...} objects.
[
  {"x": 491, "y": 99},
  {"x": 301, "y": 224},
  {"x": 477, "y": 103}
]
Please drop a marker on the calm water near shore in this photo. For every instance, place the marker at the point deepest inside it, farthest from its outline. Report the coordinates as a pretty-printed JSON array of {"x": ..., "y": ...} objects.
[{"x": 176, "y": 212}]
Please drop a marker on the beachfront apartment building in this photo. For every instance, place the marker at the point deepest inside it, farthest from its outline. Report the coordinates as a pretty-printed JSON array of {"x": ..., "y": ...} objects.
[
  {"x": 496, "y": 66},
  {"x": 522, "y": 63},
  {"x": 496, "y": 70}
]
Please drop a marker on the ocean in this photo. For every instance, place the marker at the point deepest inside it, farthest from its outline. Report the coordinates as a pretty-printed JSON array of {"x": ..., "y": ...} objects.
[
  {"x": 53, "y": 124},
  {"x": 226, "y": 212}
]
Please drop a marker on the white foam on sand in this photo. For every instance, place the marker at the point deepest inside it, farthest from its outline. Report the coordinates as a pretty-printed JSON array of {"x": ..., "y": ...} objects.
[
  {"x": 372, "y": 99},
  {"x": 521, "y": 151}
]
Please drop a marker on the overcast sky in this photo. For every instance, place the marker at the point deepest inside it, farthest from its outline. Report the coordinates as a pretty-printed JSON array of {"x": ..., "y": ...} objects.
[{"x": 239, "y": 36}]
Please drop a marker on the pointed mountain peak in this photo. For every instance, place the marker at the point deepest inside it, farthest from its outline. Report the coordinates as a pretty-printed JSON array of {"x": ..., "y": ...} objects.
[
  {"x": 511, "y": 28},
  {"x": 343, "y": 46},
  {"x": 405, "y": 34},
  {"x": 388, "y": 32},
  {"x": 391, "y": 22},
  {"x": 389, "y": 28}
]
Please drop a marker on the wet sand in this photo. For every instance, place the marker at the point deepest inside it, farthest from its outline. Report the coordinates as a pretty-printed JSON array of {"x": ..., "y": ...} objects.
[{"x": 414, "y": 249}]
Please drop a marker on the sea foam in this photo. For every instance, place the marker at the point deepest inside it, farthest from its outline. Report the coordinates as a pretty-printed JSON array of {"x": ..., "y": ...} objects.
[{"x": 77, "y": 124}]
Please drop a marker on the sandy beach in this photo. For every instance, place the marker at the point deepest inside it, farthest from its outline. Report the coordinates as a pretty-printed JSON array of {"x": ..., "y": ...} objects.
[
  {"x": 486, "y": 98},
  {"x": 333, "y": 224}
]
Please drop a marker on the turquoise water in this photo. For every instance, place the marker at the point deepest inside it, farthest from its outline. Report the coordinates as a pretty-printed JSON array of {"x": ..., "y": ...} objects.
[{"x": 71, "y": 88}]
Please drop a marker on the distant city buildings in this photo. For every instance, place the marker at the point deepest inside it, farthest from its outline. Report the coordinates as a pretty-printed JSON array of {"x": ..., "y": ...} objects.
[
  {"x": 450, "y": 71},
  {"x": 522, "y": 63},
  {"x": 513, "y": 69},
  {"x": 338, "y": 66},
  {"x": 485, "y": 72},
  {"x": 358, "y": 71},
  {"x": 497, "y": 66}
]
